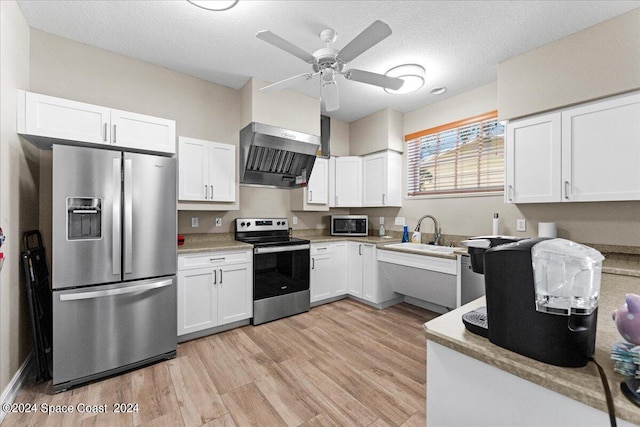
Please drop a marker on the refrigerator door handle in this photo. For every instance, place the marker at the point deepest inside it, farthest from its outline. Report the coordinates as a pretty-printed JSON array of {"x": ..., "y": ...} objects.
[
  {"x": 128, "y": 216},
  {"x": 115, "y": 233},
  {"x": 118, "y": 291}
]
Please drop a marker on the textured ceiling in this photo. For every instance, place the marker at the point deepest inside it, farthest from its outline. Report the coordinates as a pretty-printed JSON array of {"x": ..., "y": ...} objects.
[{"x": 460, "y": 43}]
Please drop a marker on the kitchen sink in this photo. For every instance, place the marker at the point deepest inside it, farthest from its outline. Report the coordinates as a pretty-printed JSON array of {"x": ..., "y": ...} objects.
[{"x": 422, "y": 247}]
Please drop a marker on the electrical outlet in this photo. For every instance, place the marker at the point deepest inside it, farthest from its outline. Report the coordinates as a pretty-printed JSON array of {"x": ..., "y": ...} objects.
[
  {"x": 218, "y": 222},
  {"x": 295, "y": 220},
  {"x": 399, "y": 220},
  {"x": 381, "y": 220},
  {"x": 194, "y": 221},
  {"x": 521, "y": 225}
]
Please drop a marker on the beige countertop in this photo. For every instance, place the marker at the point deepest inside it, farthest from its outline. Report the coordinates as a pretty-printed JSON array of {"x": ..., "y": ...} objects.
[
  {"x": 581, "y": 384},
  {"x": 210, "y": 242}
]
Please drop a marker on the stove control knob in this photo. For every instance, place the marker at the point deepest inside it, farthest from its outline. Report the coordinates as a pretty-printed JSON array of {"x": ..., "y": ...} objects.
[
  {"x": 242, "y": 224},
  {"x": 249, "y": 224},
  {"x": 278, "y": 222}
]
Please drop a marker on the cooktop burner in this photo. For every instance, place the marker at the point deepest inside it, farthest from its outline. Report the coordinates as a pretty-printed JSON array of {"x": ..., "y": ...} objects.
[{"x": 262, "y": 232}]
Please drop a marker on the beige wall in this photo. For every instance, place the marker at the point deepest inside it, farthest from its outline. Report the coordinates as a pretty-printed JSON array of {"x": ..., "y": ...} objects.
[
  {"x": 339, "y": 141},
  {"x": 18, "y": 192},
  {"x": 596, "y": 62},
  {"x": 376, "y": 132}
]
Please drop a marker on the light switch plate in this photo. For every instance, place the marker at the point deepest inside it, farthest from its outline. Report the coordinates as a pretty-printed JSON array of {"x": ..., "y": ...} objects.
[
  {"x": 381, "y": 220},
  {"x": 399, "y": 220},
  {"x": 194, "y": 221},
  {"x": 521, "y": 225},
  {"x": 218, "y": 222},
  {"x": 295, "y": 220}
]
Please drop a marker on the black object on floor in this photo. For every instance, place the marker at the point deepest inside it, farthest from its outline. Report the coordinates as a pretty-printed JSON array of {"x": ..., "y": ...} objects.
[{"x": 39, "y": 298}]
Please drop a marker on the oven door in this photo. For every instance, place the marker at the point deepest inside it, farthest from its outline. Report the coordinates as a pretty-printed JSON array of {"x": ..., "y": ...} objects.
[{"x": 280, "y": 270}]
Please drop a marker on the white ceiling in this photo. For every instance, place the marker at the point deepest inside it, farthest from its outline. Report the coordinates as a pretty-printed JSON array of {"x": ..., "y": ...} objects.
[{"x": 460, "y": 43}]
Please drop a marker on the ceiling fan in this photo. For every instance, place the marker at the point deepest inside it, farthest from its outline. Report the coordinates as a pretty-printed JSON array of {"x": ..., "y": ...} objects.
[{"x": 328, "y": 62}]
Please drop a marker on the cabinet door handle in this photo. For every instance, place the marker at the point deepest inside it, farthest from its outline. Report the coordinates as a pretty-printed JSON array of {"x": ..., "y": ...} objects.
[
  {"x": 311, "y": 195},
  {"x": 360, "y": 250},
  {"x": 221, "y": 276},
  {"x": 510, "y": 193},
  {"x": 217, "y": 259},
  {"x": 211, "y": 187},
  {"x": 114, "y": 134},
  {"x": 104, "y": 138},
  {"x": 567, "y": 189},
  {"x": 321, "y": 249},
  {"x": 383, "y": 199},
  {"x": 215, "y": 277},
  {"x": 313, "y": 263},
  {"x": 206, "y": 192}
]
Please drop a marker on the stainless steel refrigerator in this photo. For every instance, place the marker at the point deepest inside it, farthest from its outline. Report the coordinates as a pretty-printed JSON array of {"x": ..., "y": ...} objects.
[{"x": 114, "y": 262}]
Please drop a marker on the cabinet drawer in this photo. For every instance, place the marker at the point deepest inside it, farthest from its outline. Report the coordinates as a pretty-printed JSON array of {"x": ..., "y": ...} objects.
[
  {"x": 208, "y": 259},
  {"x": 319, "y": 249}
]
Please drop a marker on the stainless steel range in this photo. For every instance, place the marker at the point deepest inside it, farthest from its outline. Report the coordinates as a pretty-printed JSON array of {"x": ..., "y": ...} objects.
[{"x": 280, "y": 268}]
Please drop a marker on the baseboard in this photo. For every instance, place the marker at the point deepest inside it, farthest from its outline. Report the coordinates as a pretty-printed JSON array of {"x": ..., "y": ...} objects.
[
  {"x": 426, "y": 305},
  {"x": 9, "y": 394}
]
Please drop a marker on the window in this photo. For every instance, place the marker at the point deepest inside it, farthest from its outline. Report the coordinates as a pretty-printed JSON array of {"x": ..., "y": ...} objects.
[{"x": 461, "y": 157}]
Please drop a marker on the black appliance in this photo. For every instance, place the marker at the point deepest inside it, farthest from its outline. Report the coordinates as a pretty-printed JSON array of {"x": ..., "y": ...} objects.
[
  {"x": 542, "y": 299},
  {"x": 280, "y": 268}
]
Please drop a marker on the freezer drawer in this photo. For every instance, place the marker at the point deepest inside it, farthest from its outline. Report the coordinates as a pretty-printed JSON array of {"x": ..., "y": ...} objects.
[{"x": 100, "y": 330}]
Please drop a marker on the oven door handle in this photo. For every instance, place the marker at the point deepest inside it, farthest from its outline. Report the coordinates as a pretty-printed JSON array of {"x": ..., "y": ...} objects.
[{"x": 275, "y": 249}]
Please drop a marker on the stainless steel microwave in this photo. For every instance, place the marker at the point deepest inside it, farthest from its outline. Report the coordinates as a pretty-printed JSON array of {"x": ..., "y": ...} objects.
[{"x": 349, "y": 225}]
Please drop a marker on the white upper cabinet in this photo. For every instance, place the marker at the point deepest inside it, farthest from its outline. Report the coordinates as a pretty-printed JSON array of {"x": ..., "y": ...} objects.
[
  {"x": 348, "y": 182},
  {"x": 601, "y": 150},
  {"x": 533, "y": 159},
  {"x": 318, "y": 188},
  {"x": 315, "y": 196},
  {"x": 137, "y": 131},
  {"x": 382, "y": 179},
  {"x": 57, "y": 118},
  {"x": 586, "y": 153},
  {"x": 44, "y": 119},
  {"x": 206, "y": 171}
]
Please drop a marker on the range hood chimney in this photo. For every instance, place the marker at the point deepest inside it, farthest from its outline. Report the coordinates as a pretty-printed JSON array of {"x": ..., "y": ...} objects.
[{"x": 276, "y": 157}]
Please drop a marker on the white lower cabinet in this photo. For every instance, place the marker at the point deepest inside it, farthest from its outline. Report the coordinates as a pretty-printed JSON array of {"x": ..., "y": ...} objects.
[
  {"x": 362, "y": 273},
  {"x": 214, "y": 289},
  {"x": 328, "y": 271}
]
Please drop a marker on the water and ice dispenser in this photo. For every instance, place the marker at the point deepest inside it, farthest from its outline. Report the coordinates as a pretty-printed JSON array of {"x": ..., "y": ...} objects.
[{"x": 84, "y": 218}]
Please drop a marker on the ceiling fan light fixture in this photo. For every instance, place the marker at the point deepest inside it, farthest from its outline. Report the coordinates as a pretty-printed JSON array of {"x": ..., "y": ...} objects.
[
  {"x": 412, "y": 74},
  {"x": 214, "y": 5}
]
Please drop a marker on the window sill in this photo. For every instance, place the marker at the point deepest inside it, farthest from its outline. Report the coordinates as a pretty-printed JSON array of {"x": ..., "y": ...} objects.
[{"x": 455, "y": 195}]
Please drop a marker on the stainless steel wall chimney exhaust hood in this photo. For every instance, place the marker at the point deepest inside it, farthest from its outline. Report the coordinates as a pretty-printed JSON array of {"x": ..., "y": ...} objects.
[{"x": 276, "y": 157}]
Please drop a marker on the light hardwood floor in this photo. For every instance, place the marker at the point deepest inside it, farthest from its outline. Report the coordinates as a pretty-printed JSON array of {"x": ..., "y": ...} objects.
[{"x": 342, "y": 363}]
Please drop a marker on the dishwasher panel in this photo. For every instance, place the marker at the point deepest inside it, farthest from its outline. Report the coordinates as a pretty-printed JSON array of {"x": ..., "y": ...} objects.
[{"x": 102, "y": 330}]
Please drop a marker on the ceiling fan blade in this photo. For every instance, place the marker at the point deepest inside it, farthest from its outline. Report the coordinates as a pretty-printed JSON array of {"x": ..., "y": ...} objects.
[
  {"x": 281, "y": 43},
  {"x": 329, "y": 95},
  {"x": 283, "y": 84},
  {"x": 371, "y": 36},
  {"x": 374, "y": 79}
]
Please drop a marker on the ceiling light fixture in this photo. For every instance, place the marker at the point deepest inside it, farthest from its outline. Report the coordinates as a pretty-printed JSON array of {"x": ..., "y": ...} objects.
[
  {"x": 438, "y": 90},
  {"x": 412, "y": 74},
  {"x": 215, "y": 5}
]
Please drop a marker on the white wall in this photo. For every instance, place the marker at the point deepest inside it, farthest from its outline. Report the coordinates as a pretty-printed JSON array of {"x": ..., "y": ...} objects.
[{"x": 18, "y": 192}]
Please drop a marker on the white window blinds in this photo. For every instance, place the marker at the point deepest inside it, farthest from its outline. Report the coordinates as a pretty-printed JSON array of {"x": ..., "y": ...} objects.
[{"x": 462, "y": 157}]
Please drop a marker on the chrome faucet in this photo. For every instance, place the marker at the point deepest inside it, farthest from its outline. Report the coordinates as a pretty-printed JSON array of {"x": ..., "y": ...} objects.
[{"x": 437, "y": 231}]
